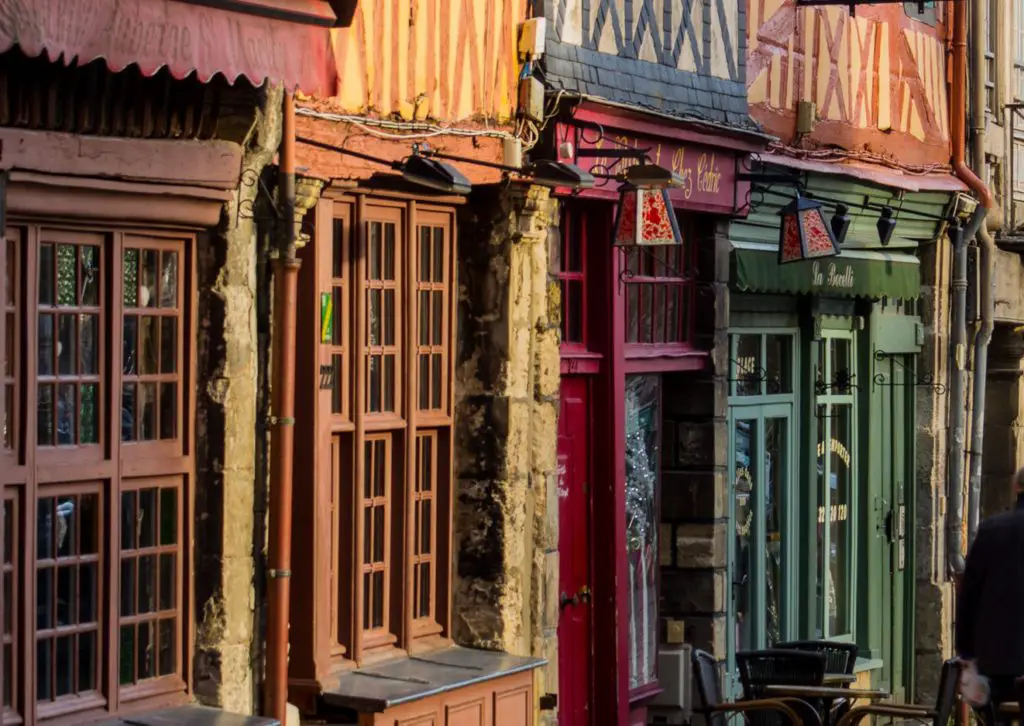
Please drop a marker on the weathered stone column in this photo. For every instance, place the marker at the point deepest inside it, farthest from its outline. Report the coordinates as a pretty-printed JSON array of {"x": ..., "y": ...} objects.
[
  {"x": 226, "y": 427},
  {"x": 934, "y": 593},
  {"x": 507, "y": 378}
]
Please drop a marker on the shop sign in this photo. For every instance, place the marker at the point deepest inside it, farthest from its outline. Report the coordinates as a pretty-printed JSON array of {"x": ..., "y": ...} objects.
[{"x": 708, "y": 173}]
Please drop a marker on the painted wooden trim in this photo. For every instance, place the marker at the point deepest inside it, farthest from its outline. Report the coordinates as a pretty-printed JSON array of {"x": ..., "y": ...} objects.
[
  {"x": 116, "y": 203},
  {"x": 212, "y": 164}
]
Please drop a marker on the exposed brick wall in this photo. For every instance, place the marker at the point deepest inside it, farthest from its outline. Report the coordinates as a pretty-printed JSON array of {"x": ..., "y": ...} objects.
[
  {"x": 694, "y": 504},
  {"x": 507, "y": 382}
]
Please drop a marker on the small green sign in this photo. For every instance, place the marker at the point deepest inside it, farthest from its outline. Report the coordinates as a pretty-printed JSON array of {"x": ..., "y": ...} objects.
[{"x": 326, "y": 317}]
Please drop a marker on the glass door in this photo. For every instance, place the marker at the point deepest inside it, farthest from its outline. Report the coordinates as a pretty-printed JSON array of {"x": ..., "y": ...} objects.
[{"x": 760, "y": 476}]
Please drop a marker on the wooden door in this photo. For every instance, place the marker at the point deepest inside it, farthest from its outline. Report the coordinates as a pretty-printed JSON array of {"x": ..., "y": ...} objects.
[{"x": 574, "y": 636}]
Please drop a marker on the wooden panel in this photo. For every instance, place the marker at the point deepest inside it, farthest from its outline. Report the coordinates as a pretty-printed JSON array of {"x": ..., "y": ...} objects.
[
  {"x": 877, "y": 79},
  {"x": 440, "y": 59},
  {"x": 514, "y": 707},
  {"x": 506, "y": 701},
  {"x": 472, "y": 712}
]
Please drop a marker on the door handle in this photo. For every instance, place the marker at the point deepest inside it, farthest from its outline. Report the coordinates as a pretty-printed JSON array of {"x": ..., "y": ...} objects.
[
  {"x": 566, "y": 601},
  {"x": 584, "y": 594}
]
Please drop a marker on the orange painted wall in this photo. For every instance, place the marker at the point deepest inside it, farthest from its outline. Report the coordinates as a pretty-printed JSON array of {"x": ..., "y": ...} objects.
[
  {"x": 446, "y": 60},
  {"x": 878, "y": 78}
]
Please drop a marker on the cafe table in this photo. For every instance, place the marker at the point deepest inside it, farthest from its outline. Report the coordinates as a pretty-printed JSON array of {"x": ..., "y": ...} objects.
[
  {"x": 827, "y": 694},
  {"x": 839, "y": 679}
]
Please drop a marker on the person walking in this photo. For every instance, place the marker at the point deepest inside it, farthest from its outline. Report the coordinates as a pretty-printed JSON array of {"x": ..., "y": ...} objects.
[{"x": 989, "y": 626}]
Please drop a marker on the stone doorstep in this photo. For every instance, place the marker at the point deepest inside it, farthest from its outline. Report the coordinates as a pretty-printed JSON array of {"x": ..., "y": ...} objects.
[{"x": 190, "y": 716}]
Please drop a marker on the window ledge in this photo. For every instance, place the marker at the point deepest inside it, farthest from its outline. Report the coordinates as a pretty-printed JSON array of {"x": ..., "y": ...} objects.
[
  {"x": 868, "y": 664},
  {"x": 377, "y": 688},
  {"x": 190, "y": 716}
]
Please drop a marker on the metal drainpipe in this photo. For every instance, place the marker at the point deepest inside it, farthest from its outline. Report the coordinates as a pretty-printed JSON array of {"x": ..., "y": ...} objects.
[
  {"x": 986, "y": 259},
  {"x": 958, "y": 334},
  {"x": 282, "y": 442}
]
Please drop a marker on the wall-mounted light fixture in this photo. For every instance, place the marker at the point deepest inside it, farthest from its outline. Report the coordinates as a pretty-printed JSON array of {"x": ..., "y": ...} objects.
[
  {"x": 886, "y": 225},
  {"x": 543, "y": 172},
  {"x": 645, "y": 217},
  {"x": 415, "y": 168},
  {"x": 840, "y": 222},
  {"x": 804, "y": 234}
]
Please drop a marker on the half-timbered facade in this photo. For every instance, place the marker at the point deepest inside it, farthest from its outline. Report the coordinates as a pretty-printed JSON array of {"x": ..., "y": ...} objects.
[
  {"x": 860, "y": 104},
  {"x": 643, "y": 351},
  {"x": 415, "y": 596}
]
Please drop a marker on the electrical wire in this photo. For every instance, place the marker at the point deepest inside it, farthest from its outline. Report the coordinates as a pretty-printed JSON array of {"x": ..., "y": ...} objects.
[{"x": 406, "y": 130}]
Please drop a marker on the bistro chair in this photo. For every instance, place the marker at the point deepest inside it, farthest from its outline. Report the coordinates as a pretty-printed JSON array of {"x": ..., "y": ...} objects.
[
  {"x": 715, "y": 709},
  {"x": 778, "y": 667},
  {"x": 939, "y": 715},
  {"x": 840, "y": 658}
]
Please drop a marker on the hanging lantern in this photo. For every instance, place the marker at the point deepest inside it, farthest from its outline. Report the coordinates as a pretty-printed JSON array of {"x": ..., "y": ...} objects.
[
  {"x": 645, "y": 218},
  {"x": 805, "y": 235}
]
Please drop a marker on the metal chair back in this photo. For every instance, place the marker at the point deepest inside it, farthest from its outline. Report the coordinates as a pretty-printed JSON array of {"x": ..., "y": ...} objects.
[
  {"x": 778, "y": 667},
  {"x": 709, "y": 687},
  {"x": 949, "y": 689},
  {"x": 839, "y": 657}
]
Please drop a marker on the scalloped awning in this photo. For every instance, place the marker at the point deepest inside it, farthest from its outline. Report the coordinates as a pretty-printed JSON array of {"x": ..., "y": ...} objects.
[{"x": 261, "y": 40}]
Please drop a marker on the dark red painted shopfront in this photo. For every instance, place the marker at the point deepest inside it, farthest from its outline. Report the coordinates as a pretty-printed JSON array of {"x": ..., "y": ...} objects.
[{"x": 630, "y": 325}]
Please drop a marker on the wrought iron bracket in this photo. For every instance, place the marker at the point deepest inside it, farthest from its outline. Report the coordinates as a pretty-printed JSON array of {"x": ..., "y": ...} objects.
[
  {"x": 841, "y": 385},
  {"x": 925, "y": 381},
  {"x": 247, "y": 207},
  {"x": 751, "y": 376}
]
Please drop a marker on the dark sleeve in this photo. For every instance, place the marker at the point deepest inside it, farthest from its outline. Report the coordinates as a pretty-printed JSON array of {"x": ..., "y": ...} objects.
[{"x": 969, "y": 594}]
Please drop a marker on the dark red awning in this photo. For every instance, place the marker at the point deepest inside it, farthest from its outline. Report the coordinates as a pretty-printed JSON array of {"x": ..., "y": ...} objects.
[{"x": 184, "y": 37}]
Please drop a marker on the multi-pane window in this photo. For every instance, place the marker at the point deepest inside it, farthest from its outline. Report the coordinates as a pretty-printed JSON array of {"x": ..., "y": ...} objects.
[
  {"x": 376, "y": 531},
  {"x": 68, "y": 601},
  {"x": 576, "y": 221},
  {"x": 69, "y": 343},
  {"x": 10, "y": 592},
  {"x": 659, "y": 295},
  {"x": 150, "y": 571},
  {"x": 392, "y": 264},
  {"x": 151, "y": 343},
  {"x": 424, "y": 525},
  {"x": 9, "y": 311},
  {"x": 94, "y": 361},
  {"x": 991, "y": 44},
  {"x": 432, "y": 343},
  {"x": 382, "y": 299}
]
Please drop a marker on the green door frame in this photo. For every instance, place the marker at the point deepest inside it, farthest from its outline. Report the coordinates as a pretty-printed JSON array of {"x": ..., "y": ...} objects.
[
  {"x": 760, "y": 407},
  {"x": 830, "y": 395}
]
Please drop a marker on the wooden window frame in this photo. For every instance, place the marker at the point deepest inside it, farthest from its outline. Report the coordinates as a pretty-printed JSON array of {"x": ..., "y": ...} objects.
[
  {"x": 336, "y": 461},
  {"x": 32, "y": 472}
]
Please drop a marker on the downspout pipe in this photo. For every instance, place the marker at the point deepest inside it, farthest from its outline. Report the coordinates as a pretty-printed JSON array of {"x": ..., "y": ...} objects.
[
  {"x": 958, "y": 141},
  {"x": 986, "y": 261},
  {"x": 282, "y": 437}
]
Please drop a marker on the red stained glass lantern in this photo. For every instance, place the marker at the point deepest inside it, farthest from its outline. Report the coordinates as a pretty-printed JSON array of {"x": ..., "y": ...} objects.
[
  {"x": 805, "y": 234},
  {"x": 645, "y": 218}
]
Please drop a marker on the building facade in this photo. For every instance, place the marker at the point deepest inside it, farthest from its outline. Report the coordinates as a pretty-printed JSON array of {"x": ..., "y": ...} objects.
[
  {"x": 842, "y": 363},
  {"x": 642, "y": 431},
  {"x": 132, "y": 134},
  {"x": 426, "y": 410}
]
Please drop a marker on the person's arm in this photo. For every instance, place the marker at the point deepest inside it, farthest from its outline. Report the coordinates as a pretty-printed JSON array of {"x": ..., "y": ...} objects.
[{"x": 969, "y": 595}]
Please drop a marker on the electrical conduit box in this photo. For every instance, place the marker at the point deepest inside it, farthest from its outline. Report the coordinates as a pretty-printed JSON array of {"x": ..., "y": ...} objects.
[
  {"x": 531, "y": 38},
  {"x": 675, "y": 676},
  {"x": 531, "y": 99}
]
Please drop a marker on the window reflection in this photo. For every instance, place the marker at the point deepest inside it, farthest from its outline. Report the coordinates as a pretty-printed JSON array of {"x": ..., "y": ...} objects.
[{"x": 643, "y": 419}]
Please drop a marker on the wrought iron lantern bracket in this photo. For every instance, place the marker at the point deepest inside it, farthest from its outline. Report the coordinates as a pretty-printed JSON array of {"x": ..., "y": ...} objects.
[{"x": 925, "y": 381}]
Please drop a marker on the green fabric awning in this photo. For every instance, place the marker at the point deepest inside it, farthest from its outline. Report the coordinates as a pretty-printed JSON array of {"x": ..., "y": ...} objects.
[{"x": 854, "y": 273}]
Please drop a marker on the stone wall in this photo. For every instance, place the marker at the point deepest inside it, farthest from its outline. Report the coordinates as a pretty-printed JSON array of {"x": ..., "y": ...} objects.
[
  {"x": 694, "y": 503},
  {"x": 228, "y": 490},
  {"x": 933, "y": 641},
  {"x": 505, "y": 594}
]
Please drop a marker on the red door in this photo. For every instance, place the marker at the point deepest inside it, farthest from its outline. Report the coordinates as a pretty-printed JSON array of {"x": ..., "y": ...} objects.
[{"x": 574, "y": 637}]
